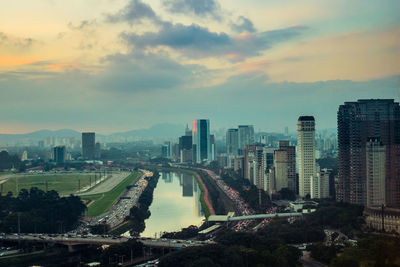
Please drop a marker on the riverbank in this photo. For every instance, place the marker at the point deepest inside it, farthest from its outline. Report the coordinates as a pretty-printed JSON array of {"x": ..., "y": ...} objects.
[{"x": 140, "y": 212}]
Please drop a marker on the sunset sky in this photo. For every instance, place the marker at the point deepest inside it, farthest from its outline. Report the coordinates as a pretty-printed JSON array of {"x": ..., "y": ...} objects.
[{"x": 117, "y": 65}]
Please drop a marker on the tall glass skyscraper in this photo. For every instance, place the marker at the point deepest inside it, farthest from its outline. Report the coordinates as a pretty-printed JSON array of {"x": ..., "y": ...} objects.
[{"x": 201, "y": 141}]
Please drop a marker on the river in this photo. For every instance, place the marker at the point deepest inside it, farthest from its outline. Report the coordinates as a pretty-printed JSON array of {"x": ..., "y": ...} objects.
[{"x": 176, "y": 204}]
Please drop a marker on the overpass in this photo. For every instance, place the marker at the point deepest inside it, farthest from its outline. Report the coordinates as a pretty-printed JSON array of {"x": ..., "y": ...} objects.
[
  {"x": 100, "y": 240},
  {"x": 227, "y": 218}
]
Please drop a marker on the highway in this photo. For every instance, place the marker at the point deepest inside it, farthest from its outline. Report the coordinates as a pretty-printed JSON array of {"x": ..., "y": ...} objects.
[{"x": 101, "y": 240}]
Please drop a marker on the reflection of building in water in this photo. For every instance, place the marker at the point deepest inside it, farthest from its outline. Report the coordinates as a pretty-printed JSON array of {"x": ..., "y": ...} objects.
[
  {"x": 187, "y": 185},
  {"x": 197, "y": 211},
  {"x": 167, "y": 177}
]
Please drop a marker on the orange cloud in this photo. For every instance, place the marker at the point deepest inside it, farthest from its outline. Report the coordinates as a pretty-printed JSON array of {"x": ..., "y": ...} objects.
[{"x": 9, "y": 61}]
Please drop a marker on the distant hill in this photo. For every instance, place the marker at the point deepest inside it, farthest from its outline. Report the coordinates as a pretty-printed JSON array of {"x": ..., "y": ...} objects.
[
  {"x": 163, "y": 130},
  {"x": 157, "y": 131}
]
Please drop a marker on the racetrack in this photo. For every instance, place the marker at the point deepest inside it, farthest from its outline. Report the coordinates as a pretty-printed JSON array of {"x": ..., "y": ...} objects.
[{"x": 107, "y": 185}]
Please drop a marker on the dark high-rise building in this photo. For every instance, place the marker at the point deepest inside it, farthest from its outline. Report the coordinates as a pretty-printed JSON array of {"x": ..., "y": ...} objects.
[
  {"x": 358, "y": 123},
  {"x": 88, "y": 145},
  {"x": 232, "y": 142},
  {"x": 201, "y": 141},
  {"x": 59, "y": 154},
  {"x": 185, "y": 148},
  {"x": 246, "y": 136}
]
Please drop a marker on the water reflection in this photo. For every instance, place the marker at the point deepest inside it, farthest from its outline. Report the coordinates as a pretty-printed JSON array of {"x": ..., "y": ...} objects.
[{"x": 176, "y": 204}]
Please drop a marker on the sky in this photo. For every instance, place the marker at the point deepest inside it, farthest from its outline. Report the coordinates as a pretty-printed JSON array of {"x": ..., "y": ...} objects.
[{"x": 118, "y": 65}]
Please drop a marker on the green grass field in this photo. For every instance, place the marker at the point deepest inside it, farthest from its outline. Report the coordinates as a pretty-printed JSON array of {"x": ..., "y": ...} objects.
[
  {"x": 64, "y": 184},
  {"x": 104, "y": 201}
]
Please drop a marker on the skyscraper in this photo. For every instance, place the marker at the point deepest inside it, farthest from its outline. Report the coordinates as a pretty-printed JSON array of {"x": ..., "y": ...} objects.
[
  {"x": 88, "y": 145},
  {"x": 59, "y": 154},
  {"x": 245, "y": 135},
  {"x": 358, "y": 123},
  {"x": 306, "y": 153},
  {"x": 232, "y": 142},
  {"x": 285, "y": 167},
  {"x": 376, "y": 172},
  {"x": 185, "y": 148},
  {"x": 201, "y": 141},
  {"x": 254, "y": 165}
]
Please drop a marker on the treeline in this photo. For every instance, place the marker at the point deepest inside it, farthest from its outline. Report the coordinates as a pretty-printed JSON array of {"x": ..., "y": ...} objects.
[
  {"x": 9, "y": 161},
  {"x": 138, "y": 214},
  {"x": 248, "y": 192},
  {"x": 236, "y": 249},
  {"x": 185, "y": 233},
  {"x": 39, "y": 212},
  {"x": 369, "y": 251},
  {"x": 348, "y": 218}
]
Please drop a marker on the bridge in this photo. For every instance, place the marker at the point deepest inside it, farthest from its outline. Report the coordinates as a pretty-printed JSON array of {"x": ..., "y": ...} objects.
[
  {"x": 100, "y": 240},
  {"x": 227, "y": 218}
]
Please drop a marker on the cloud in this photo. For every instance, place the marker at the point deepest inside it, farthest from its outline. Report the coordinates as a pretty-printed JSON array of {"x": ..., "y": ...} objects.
[
  {"x": 134, "y": 12},
  {"x": 243, "y": 24},
  {"x": 136, "y": 72},
  {"x": 16, "y": 42},
  {"x": 196, "y": 41},
  {"x": 83, "y": 25},
  {"x": 200, "y": 8}
]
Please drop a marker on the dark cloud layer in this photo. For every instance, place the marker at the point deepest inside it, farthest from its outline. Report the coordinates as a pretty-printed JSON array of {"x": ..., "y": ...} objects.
[
  {"x": 200, "y": 8},
  {"x": 243, "y": 24},
  {"x": 134, "y": 12},
  {"x": 197, "y": 41},
  {"x": 136, "y": 72}
]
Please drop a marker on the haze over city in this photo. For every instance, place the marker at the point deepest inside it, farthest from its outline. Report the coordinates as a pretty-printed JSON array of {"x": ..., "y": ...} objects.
[
  {"x": 200, "y": 133},
  {"x": 114, "y": 66}
]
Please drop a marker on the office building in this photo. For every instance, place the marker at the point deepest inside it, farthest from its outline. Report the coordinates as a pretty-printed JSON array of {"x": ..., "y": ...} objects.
[
  {"x": 59, "y": 154},
  {"x": 88, "y": 145},
  {"x": 201, "y": 141},
  {"x": 254, "y": 165},
  {"x": 97, "y": 152},
  {"x": 166, "y": 150},
  {"x": 376, "y": 173},
  {"x": 232, "y": 142},
  {"x": 284, "y": 167},
  {"x": 213, "y": 150},
  {"x": 358, "y": 123},
  {"x": 246, "y": 136},
  {"x": 319, "y": 184},
  {"x": 306, "y": 153},
  {"x": 185, "y": 148}
]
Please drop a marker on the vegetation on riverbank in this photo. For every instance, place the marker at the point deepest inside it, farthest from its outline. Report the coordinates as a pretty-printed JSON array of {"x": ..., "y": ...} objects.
[
  {"x": 236, "y": 249},
  {"x": 100, "y": 203},
  {"x": 138, "y": 214}
]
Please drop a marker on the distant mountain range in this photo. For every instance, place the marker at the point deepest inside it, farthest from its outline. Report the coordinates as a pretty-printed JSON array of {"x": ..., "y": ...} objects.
[{"x": 157, "y": 131}]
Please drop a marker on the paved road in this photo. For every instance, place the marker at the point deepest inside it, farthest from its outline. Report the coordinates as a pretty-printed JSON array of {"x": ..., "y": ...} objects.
[
  {"x": 95, "y": 239},
  {"x": 108, "y": 184}
]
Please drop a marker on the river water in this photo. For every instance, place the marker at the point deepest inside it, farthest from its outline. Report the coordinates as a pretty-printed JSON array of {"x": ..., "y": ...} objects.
[{"x": 176, "y": 204}]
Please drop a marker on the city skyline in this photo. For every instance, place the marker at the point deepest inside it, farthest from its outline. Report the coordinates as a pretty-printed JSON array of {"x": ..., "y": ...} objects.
[{"x": 113, "y": 66}]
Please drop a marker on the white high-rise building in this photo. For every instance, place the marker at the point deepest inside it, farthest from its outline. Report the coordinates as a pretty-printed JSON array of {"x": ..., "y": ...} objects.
[
  {"x": 319, "y": 184},
  {"x": 376, "y": 172},
  {"x": 306, "y": 153}
]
